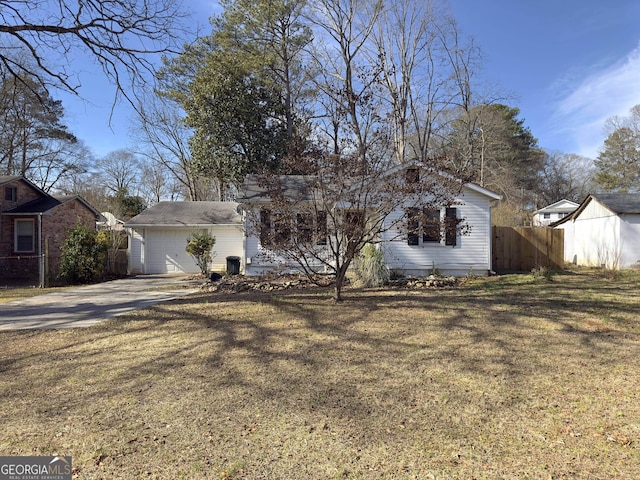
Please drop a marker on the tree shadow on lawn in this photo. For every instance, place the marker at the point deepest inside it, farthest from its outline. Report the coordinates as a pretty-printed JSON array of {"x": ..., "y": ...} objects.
[{"x": 379, "y": 360}]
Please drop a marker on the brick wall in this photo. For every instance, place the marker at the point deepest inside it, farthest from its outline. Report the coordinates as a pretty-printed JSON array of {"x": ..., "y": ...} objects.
[
  {"x": 9, "y": 266},
  {"x": 55, "y": 227},
  {"x": 25, "y": 268}
]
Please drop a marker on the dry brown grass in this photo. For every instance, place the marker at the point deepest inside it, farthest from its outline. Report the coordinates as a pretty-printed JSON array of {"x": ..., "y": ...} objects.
[
  {"x": 507, "y": 377},
  {"x": 9, "y": 294}
]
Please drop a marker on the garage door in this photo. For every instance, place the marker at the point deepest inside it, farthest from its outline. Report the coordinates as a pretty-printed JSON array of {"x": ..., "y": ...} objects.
[{"x": 166, "y": 252}]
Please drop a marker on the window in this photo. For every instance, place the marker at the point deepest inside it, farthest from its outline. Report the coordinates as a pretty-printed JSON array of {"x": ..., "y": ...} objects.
[
  {"x": 546, "y": 216},
  {"x": 10, "y": 194},
  {"x": 428, "y": 226},
  {"x": 431, "y": 226},
  {"x": 425, "y": 224},
  {"x": 25, "y": 236},
  {"x": 279, "y": 229},
  {"x": 304, "y": 228},
  {"x": 412, "y": 175},
  {"x": 355, "y": 223}
]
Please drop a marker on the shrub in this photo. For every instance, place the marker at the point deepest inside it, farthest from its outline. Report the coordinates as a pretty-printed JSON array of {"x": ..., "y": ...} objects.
[
  {"x": 199, "y": 246},
  {"x": 83, "y": 255},
  {"x": 542, "y": 273},
  {"x": 369, "y": 267}
]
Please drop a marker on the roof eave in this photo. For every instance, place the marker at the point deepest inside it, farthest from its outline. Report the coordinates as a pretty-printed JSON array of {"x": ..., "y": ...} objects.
[{"x": 198, "y": 225}]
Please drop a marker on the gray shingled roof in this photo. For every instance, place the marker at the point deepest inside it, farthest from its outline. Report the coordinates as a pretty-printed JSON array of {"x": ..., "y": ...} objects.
[
  {"x": 294, "y": 187},
  {"x": 39, "y": 205},
  {"x": 8, "y": 178},
  {"x": 188, "y": 214},
  {"x": 44, "y": 204},
  {"x": 620, "y": 203}
]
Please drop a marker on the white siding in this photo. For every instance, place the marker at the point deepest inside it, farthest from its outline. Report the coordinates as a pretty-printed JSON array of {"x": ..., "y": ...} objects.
[
  {"x": 471, "y": 254},
  {"x": 136, "y": 251},
  {"x": 630, "y": 233},
  {"x": 259, "y": 261},
  {"x": 595, "y": 238}
]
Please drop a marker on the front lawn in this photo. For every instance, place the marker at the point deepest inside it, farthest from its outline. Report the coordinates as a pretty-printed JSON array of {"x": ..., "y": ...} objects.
[{"x": 503, "y": 377}]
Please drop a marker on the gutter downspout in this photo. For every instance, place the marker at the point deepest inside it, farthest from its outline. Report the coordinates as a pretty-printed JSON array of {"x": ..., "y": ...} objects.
[
  {"x": 40, "y": 257},
  {"x": 492, "y": 205}
]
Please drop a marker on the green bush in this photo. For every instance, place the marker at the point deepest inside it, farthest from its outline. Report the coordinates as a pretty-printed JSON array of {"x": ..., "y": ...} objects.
[
  {"x": 199, "y": 246},
  {"x": 369, "y": 267},
  {"x": 83, "y": 255}
]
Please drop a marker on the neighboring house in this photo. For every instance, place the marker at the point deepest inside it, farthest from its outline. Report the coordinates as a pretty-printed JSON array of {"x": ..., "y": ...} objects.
[
  {"x": 110, "y": 222},
  {"x": 604, "y": 231},
  {"x": 417, "y": 253},
  {"x": 553, "y": 213},
  {"x": 33, "y": 227},
  {"x": 158, "y": 236}
]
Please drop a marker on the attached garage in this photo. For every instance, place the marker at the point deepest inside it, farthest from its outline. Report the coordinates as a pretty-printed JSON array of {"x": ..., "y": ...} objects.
[{"x": 158, "y": 236}]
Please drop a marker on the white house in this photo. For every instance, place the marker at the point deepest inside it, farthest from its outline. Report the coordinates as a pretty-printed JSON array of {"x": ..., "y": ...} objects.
[
  {"x": 417, "y": 253},
  {"x": 604, "y": 231},
  {"x": 456, "y": 255},
  {"x": 158, "y": 236},
  {"x": 553, "y": 213}
]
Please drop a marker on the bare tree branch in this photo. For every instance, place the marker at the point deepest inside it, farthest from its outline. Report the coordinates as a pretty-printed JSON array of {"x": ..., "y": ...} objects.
[{"x": 41, "y": 39}]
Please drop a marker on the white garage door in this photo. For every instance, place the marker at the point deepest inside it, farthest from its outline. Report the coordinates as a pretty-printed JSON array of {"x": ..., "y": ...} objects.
[
  {"x": 165, "y": 249},
  {"x": 166, "y": 252}
]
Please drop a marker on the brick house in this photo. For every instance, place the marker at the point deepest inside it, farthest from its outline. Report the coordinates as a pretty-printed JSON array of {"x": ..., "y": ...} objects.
[{"x": 33, "y": 227}]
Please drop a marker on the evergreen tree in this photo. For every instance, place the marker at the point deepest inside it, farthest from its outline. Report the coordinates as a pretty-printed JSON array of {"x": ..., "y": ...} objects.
[{"x": 618, "y": 164}]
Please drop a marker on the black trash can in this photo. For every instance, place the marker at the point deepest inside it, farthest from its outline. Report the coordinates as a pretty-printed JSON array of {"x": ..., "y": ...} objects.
[{"x": 233, "y": 265}]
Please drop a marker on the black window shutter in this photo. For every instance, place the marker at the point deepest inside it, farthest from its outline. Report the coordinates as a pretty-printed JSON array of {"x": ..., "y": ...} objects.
[
  {"x": 451, "y": 226},
  {"x": 413, "y": 227},
  {"x": 321, "y": 228},
  {"x": 265, "y": 226}
]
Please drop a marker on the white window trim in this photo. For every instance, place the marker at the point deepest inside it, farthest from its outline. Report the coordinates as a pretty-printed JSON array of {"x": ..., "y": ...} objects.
[
  {"x": 443, "y": 236},
  {"x": 33, "y": 235}
]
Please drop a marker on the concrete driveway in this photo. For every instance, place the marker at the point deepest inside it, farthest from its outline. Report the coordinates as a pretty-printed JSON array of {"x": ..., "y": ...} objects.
[{"x": 86, "y": 306}]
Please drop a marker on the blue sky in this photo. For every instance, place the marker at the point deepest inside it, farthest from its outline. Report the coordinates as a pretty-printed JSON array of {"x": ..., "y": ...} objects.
[{"x": 567, "y": 65}]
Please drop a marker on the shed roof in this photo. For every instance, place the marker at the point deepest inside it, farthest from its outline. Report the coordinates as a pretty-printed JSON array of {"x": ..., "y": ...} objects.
[
  {"x": 182, "y": 214},
  {"x": 620, "y": 203}
]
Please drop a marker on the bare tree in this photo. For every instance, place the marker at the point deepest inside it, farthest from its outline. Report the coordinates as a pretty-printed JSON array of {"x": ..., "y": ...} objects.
[
  {"x": 124, "y": 37},
  {"x": 321, "y": 222},
  {"x": 120, "y": 172},
  {"x": 164, "y": 141},
  {"x": 565, "y": 176},
  {"x": 427, "y": 71},
  {"x": 360, "y": 193}
]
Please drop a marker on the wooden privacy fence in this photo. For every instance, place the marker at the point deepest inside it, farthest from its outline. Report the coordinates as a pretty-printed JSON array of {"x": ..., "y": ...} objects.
[{"x": 521, "y": 249}]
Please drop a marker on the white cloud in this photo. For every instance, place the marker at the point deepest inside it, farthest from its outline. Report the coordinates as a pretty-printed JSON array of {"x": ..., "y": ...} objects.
[{"x": 581, "y": 115}]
